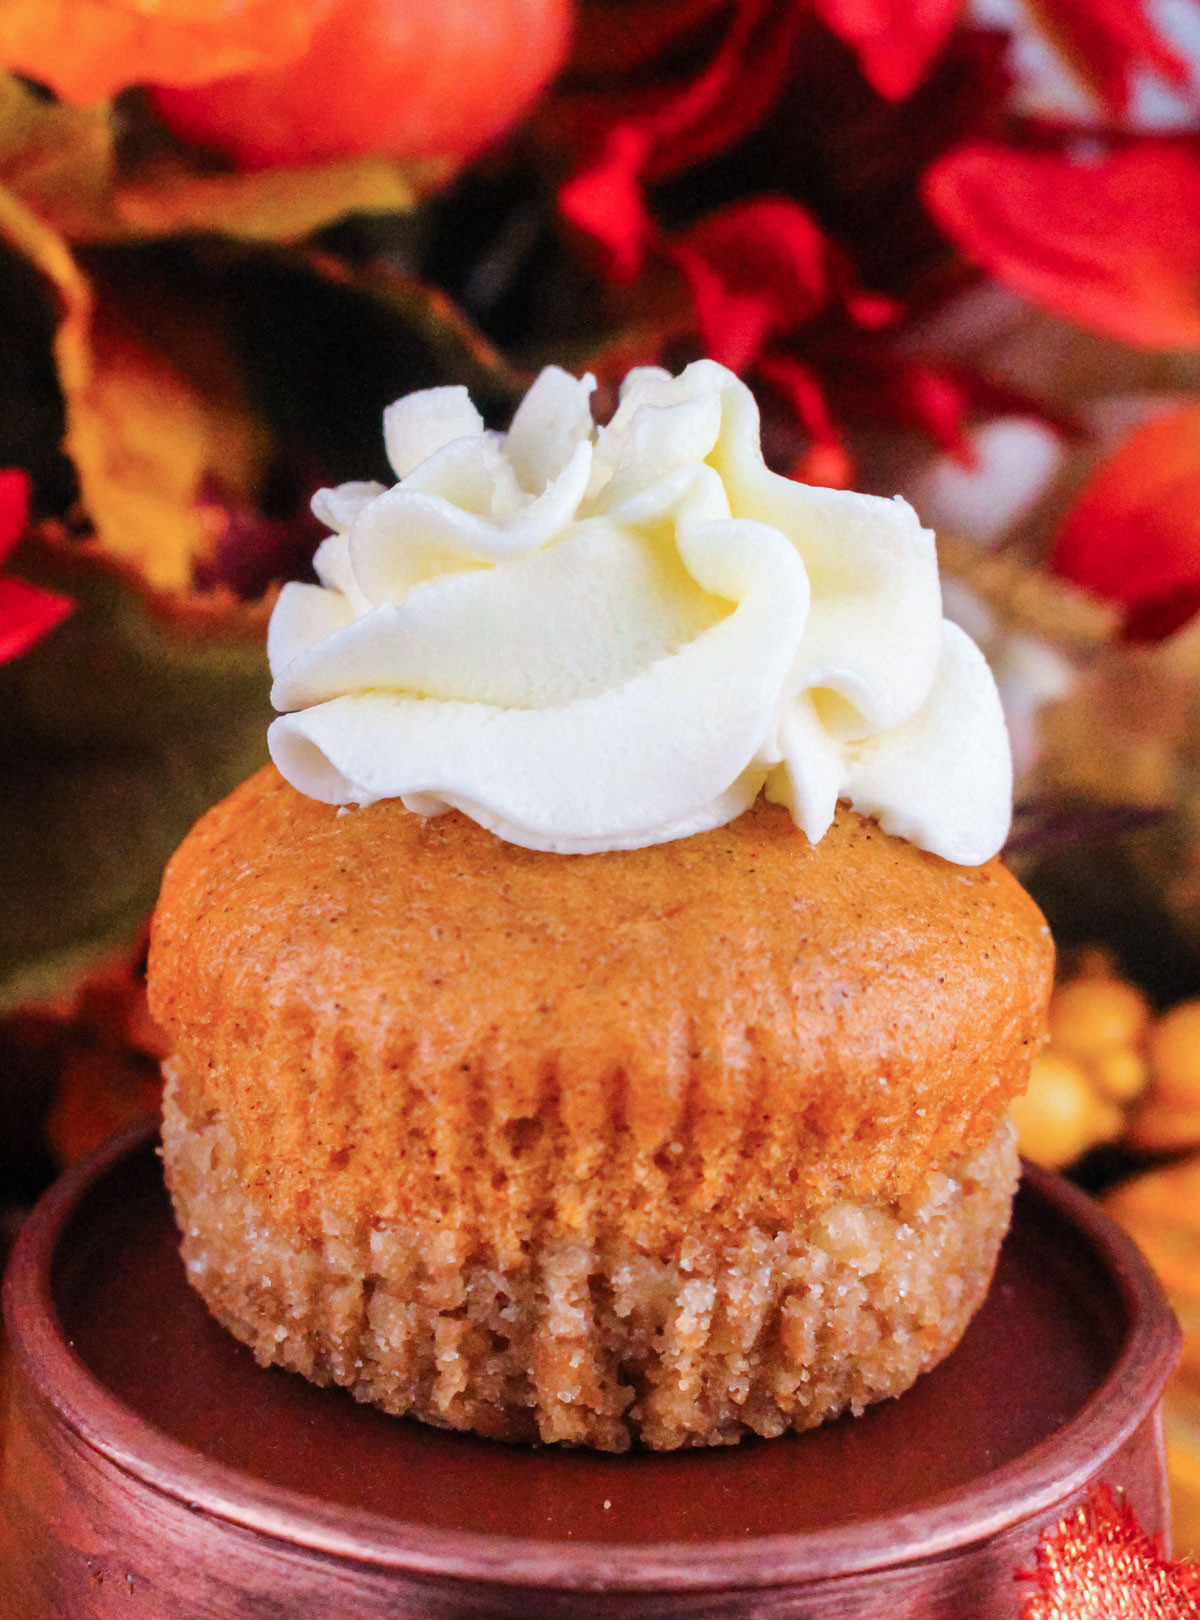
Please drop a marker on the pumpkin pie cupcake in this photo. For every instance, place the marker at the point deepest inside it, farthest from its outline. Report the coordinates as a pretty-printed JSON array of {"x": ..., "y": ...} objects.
[{"x": 598, "y": 1024}]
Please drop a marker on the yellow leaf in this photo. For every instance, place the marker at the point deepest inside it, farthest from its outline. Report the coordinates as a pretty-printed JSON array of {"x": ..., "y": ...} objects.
[
  {"x": 143, "y": 440},
  {"x": 142, "y": 436},
  {"x": 48, "y": 252},
  {"x": 156, "y": 411}
]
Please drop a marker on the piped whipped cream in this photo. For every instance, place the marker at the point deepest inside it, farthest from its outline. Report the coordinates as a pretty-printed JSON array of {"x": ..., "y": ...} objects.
[{"x": 590, "y": 638}]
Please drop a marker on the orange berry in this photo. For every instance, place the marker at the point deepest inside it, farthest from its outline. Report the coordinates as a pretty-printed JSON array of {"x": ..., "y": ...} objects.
[
  {"x": 1094, "y": 962},
  {"x": 1060, "y": 1116},
  {"x": 1089, "y": 1017},
  {"x": 1174, "y": 1051},
  {"x": 1120, "y": 1076},
  {"x": 1108, "y": 1121},
  {"x": 1160, "y": 1127}
]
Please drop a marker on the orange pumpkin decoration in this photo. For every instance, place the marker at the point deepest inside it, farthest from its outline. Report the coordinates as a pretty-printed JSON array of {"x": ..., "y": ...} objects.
[{"x": 406, "y": 78}]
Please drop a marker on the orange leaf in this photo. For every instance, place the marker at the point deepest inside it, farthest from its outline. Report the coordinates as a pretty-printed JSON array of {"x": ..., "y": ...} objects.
[
  {"x": 1133, "y": 535},
  {"x": 417, "y": 79},
  {"x": 110, "y": 1054},
  {"x": 1113, "y": 245},
  {"x": 896, "y": 40},
  {"x": 86, "y": 50}
]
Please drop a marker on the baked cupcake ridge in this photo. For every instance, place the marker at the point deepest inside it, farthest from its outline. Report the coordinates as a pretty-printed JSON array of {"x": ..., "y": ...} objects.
[{"x": 597, "y": 1025}]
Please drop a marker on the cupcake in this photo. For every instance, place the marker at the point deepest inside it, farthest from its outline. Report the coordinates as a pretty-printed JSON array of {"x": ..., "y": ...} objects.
[{"x": 597, "y": 1025}]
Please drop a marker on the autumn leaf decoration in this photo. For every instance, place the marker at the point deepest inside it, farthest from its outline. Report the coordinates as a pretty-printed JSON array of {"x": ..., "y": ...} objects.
[
  {"x": 757, "y": 272},
  {"x": 205, "y": 367},
  {"x": 1102, "y": 230},
  {"x": 1107, "y": 41},
  {"x": 27, "y": 611},
  {"x": 423, "y": 79},
  {"x": 896, "y": 44},
  {"x": 1099, "y": 1564},
  {"x": 1133, "y": 534},
  {"x": 1108, "y": 241}
]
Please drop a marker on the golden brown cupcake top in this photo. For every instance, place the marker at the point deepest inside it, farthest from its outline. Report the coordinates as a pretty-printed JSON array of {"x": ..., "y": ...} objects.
[{"x": 736, "y": 1016}]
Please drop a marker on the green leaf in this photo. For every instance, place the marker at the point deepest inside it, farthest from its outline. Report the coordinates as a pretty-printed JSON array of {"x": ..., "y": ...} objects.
[
  {"x": 59, "y": 160},
  {"x": 118, "y": 731},
  {"x": 269, "y": 205}
]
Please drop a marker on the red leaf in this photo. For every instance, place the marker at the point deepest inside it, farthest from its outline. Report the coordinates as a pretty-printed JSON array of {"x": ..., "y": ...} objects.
[
  {"x": 14, "y": 507},
  {"x": 1133, "y": 535},
  {"x": 605, "y": 198},
  {"x": 734, "y": 93},
  {"x": 1099, "y": 1562},
  {"x": 26, "y": 613},
  {"x": 827, "y": 460},
  {"x": 605, "y": 204},
  {"x": 733, "y": 321},
  {"x": 611, "y": 42},
  {"x": 867, "y": 381},
  {"x": 938, "y": 401},
  {"x": 1113, "y": 245},
  {"x": 1106, "y": 40},
  {"x": 896, "y": 40},
  {"x": 874, "y": 312},
  {"x": 755, "y": 269}
]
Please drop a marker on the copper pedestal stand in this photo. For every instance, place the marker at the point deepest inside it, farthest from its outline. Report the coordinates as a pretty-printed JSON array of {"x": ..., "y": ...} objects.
[{"x": 153, "y": 1472}]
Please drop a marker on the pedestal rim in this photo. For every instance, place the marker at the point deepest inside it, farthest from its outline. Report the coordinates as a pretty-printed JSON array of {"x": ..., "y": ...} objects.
[{"x": 1024, "y": 1489}]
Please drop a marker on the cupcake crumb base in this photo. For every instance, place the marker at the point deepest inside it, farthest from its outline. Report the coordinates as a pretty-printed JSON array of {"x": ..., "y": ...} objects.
[{"x": 595, "y": 1343}]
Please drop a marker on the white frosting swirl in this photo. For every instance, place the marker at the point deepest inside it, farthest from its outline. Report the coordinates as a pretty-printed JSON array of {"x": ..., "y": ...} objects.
[{"x": 601, "y": 638}]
